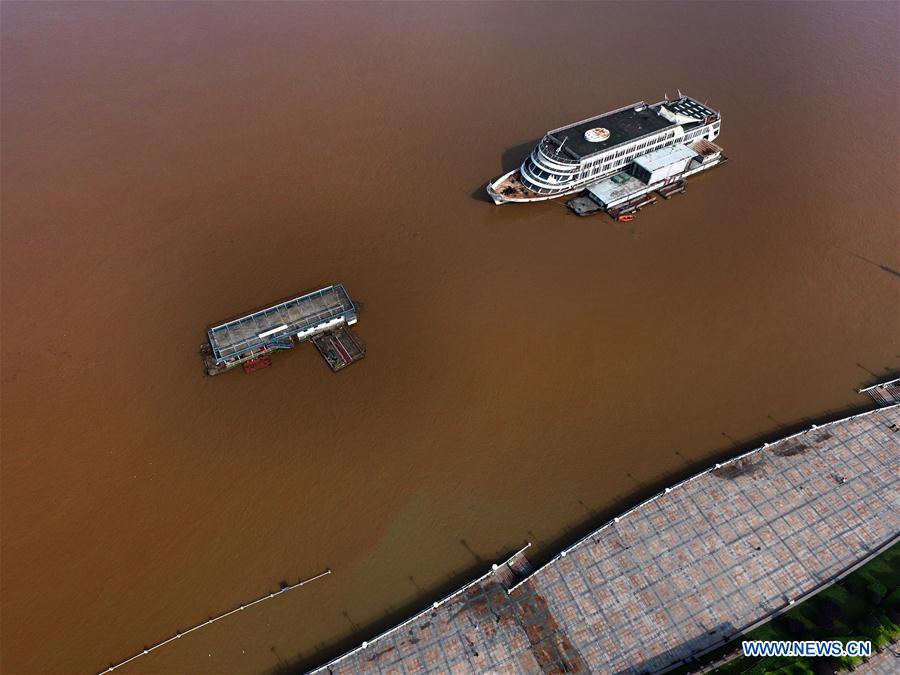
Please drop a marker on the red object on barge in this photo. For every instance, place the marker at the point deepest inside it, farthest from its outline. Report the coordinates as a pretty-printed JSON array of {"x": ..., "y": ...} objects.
[{"x": 258, "y": 363}]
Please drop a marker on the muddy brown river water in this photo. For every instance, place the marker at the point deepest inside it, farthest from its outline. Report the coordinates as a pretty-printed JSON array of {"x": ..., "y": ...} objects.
[{"x": 168, "y": 165}]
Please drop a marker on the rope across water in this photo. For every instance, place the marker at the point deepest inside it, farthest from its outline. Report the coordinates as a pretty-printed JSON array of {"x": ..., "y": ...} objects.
[{"x": 180, "y": 634}]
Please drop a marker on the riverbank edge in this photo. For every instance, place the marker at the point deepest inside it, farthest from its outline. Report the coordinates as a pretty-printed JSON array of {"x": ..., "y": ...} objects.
[{"x": 312, "y": 665}]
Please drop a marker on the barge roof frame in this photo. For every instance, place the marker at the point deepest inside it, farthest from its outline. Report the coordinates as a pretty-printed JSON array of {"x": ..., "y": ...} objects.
[{"x": 250, "y": 333}]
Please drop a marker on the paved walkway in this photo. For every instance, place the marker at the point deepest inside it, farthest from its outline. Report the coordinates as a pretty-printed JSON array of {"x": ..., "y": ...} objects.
[
  {"x": 886, "y": 662},
  {"x": 679, "y": 574}
]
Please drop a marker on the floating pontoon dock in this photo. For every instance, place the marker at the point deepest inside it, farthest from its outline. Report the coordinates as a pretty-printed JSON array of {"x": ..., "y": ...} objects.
[
  {"x": 250, "y": 339},
  {"x": 663, "y": 171},
  {"x": 339, "y": 347}
]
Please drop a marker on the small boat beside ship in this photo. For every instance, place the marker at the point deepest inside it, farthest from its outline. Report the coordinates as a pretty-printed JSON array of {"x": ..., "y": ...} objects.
[{"x": 617, "y": 157}]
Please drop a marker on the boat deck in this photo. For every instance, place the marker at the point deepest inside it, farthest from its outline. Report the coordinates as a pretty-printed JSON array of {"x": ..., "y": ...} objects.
[
  {"x": 706, "y": 148},
  {"x": 512, "y": 188},
  {"x": 668, "y": 191},
  {"x": 584, "y": 206},
  {"x": 339, "y": 348}
]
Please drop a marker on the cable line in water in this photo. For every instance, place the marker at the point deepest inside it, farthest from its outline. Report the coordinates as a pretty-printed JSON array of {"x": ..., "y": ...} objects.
[{"x": 179, "y": 634}]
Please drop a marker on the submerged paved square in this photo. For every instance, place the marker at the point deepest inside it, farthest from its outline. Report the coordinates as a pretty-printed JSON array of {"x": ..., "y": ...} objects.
[{"x": 680, "y": 574}]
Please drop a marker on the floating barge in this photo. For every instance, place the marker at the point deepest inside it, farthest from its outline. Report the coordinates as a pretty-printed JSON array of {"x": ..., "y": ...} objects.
[
  {"x": 663, "y": 171},
  {"x": 323, "y": 317},
  {"x": 339, "y": 347}
]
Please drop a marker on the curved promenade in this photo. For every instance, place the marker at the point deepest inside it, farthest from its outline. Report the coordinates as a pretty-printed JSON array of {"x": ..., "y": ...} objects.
[{"x": 676, "y": 576}]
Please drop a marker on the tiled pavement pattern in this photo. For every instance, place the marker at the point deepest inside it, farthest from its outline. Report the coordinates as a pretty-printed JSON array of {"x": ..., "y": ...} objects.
[
  {"x": 886, "y": 662},
  {"x": 678, "y": 574}
]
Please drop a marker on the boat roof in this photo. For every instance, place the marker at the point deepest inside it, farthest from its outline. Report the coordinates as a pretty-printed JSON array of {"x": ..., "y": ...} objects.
[
  {"x": 663, "y": 157},
  {"x": 609, "y": 191},
  {"x": 254, "y": 331},
  {"x": 628, "y": 124},
  {"x": 624, "y": 125}
]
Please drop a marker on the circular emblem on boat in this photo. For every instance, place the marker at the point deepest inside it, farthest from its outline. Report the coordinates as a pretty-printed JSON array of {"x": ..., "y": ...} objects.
[{"x": 596, "y": 135}]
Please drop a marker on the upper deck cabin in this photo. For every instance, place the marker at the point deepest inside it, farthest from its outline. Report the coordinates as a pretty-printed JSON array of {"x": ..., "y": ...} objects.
[
  {"x": 275, "y": 327},
  {"x": 622, "y": 126},
  {"x": 689, "y": 107}
]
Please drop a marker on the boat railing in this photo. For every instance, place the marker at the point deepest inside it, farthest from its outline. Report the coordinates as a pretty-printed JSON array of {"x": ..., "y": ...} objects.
[{"x": 553, "y": 152}]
